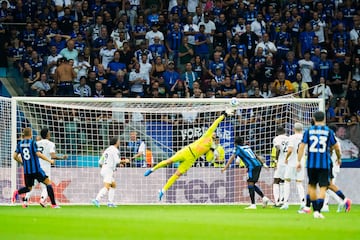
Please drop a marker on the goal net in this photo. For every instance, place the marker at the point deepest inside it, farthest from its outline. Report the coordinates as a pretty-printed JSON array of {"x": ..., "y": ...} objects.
[{"x": 81, "y": 129}]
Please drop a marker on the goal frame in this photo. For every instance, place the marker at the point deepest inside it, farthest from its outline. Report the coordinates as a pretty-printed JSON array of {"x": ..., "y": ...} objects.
[{"x": 15, "y": 100}]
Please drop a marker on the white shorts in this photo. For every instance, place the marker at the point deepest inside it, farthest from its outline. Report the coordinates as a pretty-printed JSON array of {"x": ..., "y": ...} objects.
[
  {"x": 47, "y": 171},
  {"x": 292, "y": 173},
  {"x": 108, "y": 175},
  {"x": 280, "y": 171}
]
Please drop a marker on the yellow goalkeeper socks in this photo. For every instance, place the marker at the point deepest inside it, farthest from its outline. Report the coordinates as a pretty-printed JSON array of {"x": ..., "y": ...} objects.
[
  {"x": 170, "y": 182},
  {"x": 159, "y": 165}
]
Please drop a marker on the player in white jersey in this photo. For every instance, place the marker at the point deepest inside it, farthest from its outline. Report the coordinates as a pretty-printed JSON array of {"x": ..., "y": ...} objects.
[
  {"x": 108, "y": 162},
  {"x": 280, "y": 143},
  {"x": 47, "y": 148},
  {"x": 333, "y": 191},
  {"x": 291, "y": 173}
]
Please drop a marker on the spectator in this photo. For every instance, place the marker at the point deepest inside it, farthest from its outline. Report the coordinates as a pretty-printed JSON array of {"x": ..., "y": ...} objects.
[
  {"x": 66, "y": 22},
  {"x": 348, "y": 149},
  {"x": 64, "y": 75},
  {"x": 30, "y": 75},
  {"x": 100, "y": 41},
  {"x": 305, "y": 39},
  {"x": 301, "y": 89},
  {"x": 258, "y": 26},
  {"x": 170, "y": 76},
  {"x": 158, "y": 49},
  {"x": 283, "y": 42},
  {"x": 145, "y": 69},
  {"x": 352, "y": 97},
  {"x": 99, "y": 91},
  {"x": 136, "y": 148},
  {"x": 342, "y": 112},
  {"x": 129, "y": 11},
  {"x": 142, "y": 51},
  {"x": 150, "y": 35},
  {"x": 140, "y": 30},
  {"x": 114, "y": 66},
  {"x": 322, "y": 90},
  {"x": 60, "y": 6},
  {"x": 336, "y": 81},
  {"x": 189, "y": 76},
  {"x": 306, "y": 67},
  {"x": 94, "y": 30},
  {"x": 283, "y": 86},
  {"x": 228, "y": 88},
  {"x": 81, "y": 89},
  {"x": 121, "y": 84},
  {"x": 82, "y": 67},
  {"x": 221, "y": 28},
  {"x": 269, "y": 48},
  {"x": 157, "y": 70},
  {"x": 290, "y": 66},
  {"x": 186, "y": 53},
  {"x": 137, "y": 82},
  {"x": 69, "y": 52},
  {"x": 202, "y": 42},
  {"x": 115, "y": 34},
  {"x": 107, "y": 53}
]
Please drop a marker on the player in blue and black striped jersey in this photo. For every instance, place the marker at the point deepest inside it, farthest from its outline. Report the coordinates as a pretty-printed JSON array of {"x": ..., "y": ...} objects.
[
  {"x": 28, "y": 155},
  {"x": 254, "y": 164},
  {"x": 320, "y": 139}
]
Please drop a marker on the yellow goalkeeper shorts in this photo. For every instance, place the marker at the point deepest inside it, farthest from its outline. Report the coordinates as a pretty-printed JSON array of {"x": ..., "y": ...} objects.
[{"x": 186, "y": 159}]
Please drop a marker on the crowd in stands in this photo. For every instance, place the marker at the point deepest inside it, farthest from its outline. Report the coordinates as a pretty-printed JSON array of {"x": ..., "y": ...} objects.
[{"x": 188, "y": 48}]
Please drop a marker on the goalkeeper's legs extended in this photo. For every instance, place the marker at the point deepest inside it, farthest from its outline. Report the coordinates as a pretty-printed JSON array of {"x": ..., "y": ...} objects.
[
  {"x": 169, "y": 183},
  {"x": 162, "y": 164}
]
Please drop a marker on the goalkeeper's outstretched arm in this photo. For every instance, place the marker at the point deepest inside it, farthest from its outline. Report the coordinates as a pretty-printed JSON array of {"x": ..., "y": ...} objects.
[{"x": 212, "y": 128}]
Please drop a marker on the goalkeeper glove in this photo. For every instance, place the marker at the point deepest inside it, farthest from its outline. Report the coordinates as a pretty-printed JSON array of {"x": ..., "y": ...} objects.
[{"x": 228, "y": 112}]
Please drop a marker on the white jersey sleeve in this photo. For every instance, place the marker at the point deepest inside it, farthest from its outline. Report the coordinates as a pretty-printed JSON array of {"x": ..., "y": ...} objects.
[
  {"x": 110, "y": 158},
  {"x": 294, "y": 142},
  {"x": 46, "y": 147},
  {"x": 281, "y": 142},
  {"x": 336, "y": 166}
]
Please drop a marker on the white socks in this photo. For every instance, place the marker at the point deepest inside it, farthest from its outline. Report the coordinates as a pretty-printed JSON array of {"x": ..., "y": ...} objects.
[
  {"x": 276, "y": 192},
  {"x": 111, "y": 195},
  {"x": 101, "y": 193},
  {"x": 301, "y": 191}
]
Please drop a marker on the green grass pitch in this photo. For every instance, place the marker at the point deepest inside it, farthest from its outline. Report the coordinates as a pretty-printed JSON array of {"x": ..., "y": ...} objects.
[{"x": 175, "y": 222}]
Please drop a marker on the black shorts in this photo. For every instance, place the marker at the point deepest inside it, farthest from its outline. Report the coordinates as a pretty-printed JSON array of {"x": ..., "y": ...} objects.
[
  {"x": 319, "y": 176},
  {"x": 30, "y": 178},
  {"x": 254, "y": 174}
]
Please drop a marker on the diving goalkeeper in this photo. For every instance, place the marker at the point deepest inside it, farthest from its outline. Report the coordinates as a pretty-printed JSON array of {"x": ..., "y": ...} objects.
[{"x": 188, "y": 154}]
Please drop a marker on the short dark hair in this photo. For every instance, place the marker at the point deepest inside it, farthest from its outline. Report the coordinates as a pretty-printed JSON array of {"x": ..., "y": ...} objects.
[
  {"x": 239, "y": 141},
  {"x": 280, "y": 130},
  {"x": 113, "y": 140},
  {"x": 44, "y": 133},
  {"x": 319, "y": 116}
]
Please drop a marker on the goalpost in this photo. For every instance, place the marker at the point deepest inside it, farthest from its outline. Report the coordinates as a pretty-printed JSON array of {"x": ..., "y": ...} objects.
[{"x": 81, "y": 128}]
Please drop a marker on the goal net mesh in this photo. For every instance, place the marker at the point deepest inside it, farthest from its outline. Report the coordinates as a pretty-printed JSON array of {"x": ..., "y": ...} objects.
[{"x": 81, "y": 129}]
